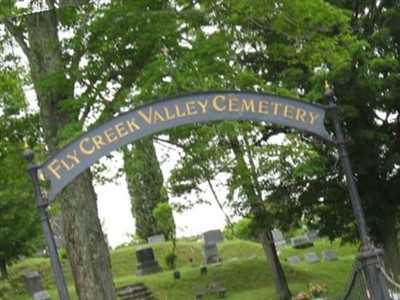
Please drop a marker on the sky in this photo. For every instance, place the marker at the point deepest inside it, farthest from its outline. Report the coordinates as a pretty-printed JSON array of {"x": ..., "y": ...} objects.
[{"x": 115, "y": 208}]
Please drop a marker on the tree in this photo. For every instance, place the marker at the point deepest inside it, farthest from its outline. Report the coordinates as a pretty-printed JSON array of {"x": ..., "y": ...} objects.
[
  {"x": 368, "y": 90},
  {"x": 19, "y": 227},
  {"x": 361, "y": 71},
  {"x": 37, "y": 36},
  {"x": 291, "y": 46},
  {"x": 130, "y": 58},
  {"x": 145, "y": 186},
  {"x": 162, "y": 213}
]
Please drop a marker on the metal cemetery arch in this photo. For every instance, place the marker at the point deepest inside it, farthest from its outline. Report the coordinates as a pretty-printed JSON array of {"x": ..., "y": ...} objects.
[{"x": 63, "y": 166}]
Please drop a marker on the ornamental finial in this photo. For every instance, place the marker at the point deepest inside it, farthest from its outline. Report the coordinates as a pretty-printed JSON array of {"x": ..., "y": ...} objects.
[
  {"x": 28, "y": 153},
  {"x": 327, "y": 86},
  {"x": 329, "y": 93},
  {"x": 26, "y": 145}
]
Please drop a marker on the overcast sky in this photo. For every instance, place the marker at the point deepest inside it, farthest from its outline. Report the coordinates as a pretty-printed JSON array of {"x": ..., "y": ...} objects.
[{"x": 115, "y": 208}]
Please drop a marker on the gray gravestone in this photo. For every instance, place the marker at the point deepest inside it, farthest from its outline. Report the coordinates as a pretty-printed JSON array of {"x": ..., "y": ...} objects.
[
  {"x": 279, "y": 240},
  {"x": 302, "y": 241},
  {"x": 210, "y": 253},
  {"x": 158, "y": 238},
  {"x": 329, "y": 254},
  {"x": 147, "y": 263},
  {"x": 313, "y": 235},
  {"x": 294, "y": 259},
  {"x": 42, "y": 295},
  {"x": 212, "y": 236},
  {"x": 32, "y": 282},
  {"x": 311, "y": 257}
]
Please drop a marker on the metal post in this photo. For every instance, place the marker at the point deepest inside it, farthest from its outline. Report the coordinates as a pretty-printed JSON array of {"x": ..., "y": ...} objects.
[
  {"x": 44, "y": 218},
  {"x": 369, "y": 255}
]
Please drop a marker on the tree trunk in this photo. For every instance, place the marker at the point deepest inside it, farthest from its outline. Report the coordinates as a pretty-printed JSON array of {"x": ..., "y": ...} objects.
[
  {"x": 388, "y": 235},
  {"x": 85, "y": 243},
  {"x": 3, "y": 269},
  {"x": 281, "y": 287},
  {"x": 87, "y": 250},
  {"x": 253, "y": 194}
]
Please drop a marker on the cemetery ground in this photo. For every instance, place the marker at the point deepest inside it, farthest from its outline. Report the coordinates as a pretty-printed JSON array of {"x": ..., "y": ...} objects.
[{"x": 243, "y": 272}]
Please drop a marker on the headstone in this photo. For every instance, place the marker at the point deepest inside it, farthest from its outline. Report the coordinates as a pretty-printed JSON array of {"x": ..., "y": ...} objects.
[
  {"x": 329, "y": 254},
  {"x": 133, "y": 291},
  {"x": 302, "y": 241},
  {"x": 158, "y": 238},
  {"x": 313, "y": 235},
  {"x": 212, "y": 236},
  {"x": 311, "y": 257},
  {"x": 147, "y": 263},
  {"x": 203, "y": 270},
  {"x": 210, "y": 253},
  {"x": 277, "y": 235},
  {"x": 32, "y": 282},
  {"x": 294, "y": 259},
  {"x": 42, "y": 295}
]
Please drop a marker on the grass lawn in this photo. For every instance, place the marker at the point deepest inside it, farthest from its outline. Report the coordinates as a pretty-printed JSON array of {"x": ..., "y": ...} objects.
[{"x": 244, "y": 271}]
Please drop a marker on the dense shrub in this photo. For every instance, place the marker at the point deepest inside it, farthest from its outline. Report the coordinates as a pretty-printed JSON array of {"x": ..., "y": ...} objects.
[{"x": 6, "y": 291}]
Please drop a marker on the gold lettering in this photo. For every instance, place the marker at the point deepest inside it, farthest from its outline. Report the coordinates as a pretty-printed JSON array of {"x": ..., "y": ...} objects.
[
  {"x": 203, "y": 105},
  {"x": 68, "y": 167},
  {"x": 248, "y": 105},
  {"x": 121, "y": 130},
  {"x": 233, "y": 104},
  {"x": 191, "y": 108},
  {"x": 84, "y": 150},
  {"x": 313, "y": 117},
  {"x": 110, "y": 135},
  {"x": 288, "y": 112},
  {"x": 53, "y": 167},
  {"x": 73, "y": 156},
  {"x": 167, "y": 114},
  {"x": 300, "y": 114},
  {"x": 276, "y": 106},
  {"x": 216, "y": 106},
  {"x": 146, "y": 118},
  {"x": 263, "y": 107},
  {"x": 179, "y": 114},
  {"x": 98, "y": 141},
  {"x": 132, "y": 125},
  {"x": 157, "y": 117}
]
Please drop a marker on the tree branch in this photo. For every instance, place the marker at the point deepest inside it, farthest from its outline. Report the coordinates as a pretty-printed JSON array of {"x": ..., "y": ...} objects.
[{"x": 18, "y": 36}]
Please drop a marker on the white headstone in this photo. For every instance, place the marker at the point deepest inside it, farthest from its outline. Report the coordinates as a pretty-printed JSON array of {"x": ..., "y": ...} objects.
[
  {"x": 329, "y": 254},
  {"x": 212, "y": 236},
  {"x": 210, "y": 253},
  {"x": 278, "y": 237},
  {"x": 294, "y": 259},
  {"x": 311, "y": 257},
  {"x": 158, "y": 238},
  {"x": 42, "y": 295}
]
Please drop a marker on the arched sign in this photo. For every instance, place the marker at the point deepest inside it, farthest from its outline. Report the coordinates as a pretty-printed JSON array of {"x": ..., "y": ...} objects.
[{"x": 62, "y": 167}]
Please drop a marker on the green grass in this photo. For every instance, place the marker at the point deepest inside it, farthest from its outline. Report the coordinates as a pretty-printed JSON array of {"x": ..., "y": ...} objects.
[{"x": 244, "y": 271}]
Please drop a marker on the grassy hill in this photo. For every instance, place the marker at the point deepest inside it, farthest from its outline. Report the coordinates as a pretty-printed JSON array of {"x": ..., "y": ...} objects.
[{"x": 244, "y": 271}]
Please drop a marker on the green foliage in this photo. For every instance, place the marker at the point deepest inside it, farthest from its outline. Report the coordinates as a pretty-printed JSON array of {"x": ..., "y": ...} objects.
[
  {"x": 170, "y": 260},
  {"x": 63, "y": 253},
  {"x": 6, "y": 291},
  {"x": 166, "y": 224},
  {"x": 145, "y": 184},
  {"x": 243, "y": 229},
  {"x": 243, "y": 271},
  {"x": 19, "y": 222}
]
